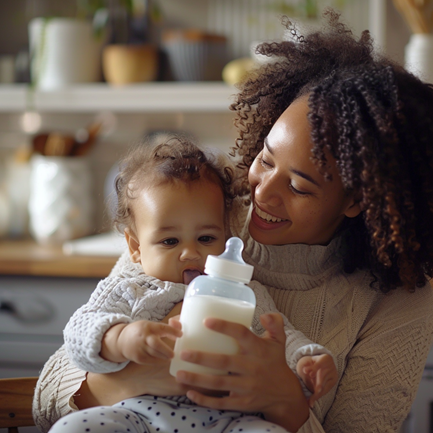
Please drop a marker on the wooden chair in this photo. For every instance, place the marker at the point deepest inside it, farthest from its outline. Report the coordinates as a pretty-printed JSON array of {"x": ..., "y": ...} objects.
[{"x": 16, "y": 397}]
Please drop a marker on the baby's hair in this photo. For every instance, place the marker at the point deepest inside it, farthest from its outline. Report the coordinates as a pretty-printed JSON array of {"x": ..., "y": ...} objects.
[
  {"x": 167, "y": 157},
  {"x": 376, "y": 119}
]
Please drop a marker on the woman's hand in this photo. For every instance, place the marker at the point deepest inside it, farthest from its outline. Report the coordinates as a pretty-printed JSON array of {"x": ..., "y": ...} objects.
[{"x": 260, "y": 378}]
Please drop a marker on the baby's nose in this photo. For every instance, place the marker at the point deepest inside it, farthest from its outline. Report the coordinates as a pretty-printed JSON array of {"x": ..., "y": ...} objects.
[{"x": 190, "y": 252}]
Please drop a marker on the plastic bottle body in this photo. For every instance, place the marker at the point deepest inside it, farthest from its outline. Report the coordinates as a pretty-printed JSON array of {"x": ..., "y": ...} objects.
[{"x": 209, "y": 296}]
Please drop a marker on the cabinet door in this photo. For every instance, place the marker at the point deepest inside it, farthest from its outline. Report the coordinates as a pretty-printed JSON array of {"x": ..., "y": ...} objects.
[{"x": 33, "y": 313}]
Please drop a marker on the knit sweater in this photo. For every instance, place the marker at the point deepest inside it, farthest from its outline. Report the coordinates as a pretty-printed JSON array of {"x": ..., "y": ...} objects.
[{"x": 380, "y": 342}]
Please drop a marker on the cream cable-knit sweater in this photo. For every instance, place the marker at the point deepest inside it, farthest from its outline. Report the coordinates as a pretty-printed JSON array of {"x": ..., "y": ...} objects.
[{"x": 380, "y": 341}]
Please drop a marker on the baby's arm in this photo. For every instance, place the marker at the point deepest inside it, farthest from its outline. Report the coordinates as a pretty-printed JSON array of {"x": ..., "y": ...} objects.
[
  {"x": 116, "y": 301},
  {"x": 319, "y": 374},
  {"x": 138, "y": 341}
]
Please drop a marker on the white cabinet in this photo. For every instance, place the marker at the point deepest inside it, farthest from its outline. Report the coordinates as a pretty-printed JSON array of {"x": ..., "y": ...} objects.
[{"x": 33, "y": 314}]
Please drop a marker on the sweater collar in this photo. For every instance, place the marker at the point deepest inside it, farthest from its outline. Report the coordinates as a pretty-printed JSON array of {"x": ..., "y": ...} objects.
[{"x": 298, "y": 258}]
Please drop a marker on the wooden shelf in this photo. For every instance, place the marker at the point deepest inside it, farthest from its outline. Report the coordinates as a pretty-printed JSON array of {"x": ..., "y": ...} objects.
[
  {"x": 25, "y": 257},
  {"x": 148, "y": 97}
]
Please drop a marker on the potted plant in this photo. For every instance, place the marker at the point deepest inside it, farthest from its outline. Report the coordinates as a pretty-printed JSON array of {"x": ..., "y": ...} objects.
[
  {"x": 130, "y": 55},
  {"x": 67, "y": 50},
  {"x": 64, "y": 49}
]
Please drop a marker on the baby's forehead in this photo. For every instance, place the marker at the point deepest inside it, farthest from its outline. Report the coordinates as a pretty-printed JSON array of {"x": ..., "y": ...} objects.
[
  {"x": 171, "y": 198},
  {"x": 154, "y": 178}
]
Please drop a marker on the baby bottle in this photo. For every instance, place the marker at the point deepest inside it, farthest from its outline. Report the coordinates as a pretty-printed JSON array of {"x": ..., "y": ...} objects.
[{"x": 221, "y": 294}]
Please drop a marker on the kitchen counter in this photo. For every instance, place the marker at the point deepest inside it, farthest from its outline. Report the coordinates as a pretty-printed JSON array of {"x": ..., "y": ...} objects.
[{"x": 27, "y": 258}]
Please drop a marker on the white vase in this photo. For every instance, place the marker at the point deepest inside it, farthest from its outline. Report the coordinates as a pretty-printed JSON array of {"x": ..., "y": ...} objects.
[
  {"x": 61, "y": 201},
  {"x": 64, "y": 51},
  {"x": 419, "y": 56}
]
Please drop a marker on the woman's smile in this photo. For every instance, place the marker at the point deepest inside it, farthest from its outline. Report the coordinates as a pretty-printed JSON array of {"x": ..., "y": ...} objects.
[
  {"x": 266, "y": 221},
  {"x": 267, "y": 217}
]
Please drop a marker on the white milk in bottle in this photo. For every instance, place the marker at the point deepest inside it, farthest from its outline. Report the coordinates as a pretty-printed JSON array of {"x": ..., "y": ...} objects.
[{"x": 222, "y": 294}]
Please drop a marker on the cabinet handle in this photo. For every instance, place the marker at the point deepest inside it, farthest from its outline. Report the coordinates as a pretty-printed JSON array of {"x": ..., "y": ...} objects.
[{"x": 27, "y": 309}]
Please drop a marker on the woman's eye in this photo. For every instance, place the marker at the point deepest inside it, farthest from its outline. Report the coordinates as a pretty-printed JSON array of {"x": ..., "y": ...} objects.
[
  {"x": 206, "y": 239},
  {"x": 170, "y": 242},
  {"x": 296, "y": 191},
  {"x": 264, "y": 163}
]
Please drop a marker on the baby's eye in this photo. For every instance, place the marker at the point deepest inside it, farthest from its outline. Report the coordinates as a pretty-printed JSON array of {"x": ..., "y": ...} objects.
[
  {"x": 170, "y": 242},
  {"x": 206, "y": 239}
]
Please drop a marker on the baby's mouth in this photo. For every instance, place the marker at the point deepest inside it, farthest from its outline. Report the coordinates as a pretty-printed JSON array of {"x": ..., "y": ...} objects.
[{"x": 190, "y": 274}]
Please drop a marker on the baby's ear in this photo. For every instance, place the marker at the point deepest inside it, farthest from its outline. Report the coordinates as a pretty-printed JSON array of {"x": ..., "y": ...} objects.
[{"x": 133, "y": 245}]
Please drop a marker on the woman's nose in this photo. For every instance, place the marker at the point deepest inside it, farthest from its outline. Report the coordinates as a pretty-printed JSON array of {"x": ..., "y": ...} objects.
[{"x": 268, "y": 191}]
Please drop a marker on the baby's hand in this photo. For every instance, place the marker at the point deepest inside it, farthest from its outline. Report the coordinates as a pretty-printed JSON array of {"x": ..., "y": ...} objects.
[
  {"x": 140, "y": 342},
  {"x": 319, "y": 374}
]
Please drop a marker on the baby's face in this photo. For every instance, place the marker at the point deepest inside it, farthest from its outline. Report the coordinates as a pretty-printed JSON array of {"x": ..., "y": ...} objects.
[{"x": 178, "y": 225}]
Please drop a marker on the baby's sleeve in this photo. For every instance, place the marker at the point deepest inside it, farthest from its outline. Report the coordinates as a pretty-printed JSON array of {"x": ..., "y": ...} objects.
[
  {"x": 85, "y": 329},
  {"x": 115, "y": 300}
]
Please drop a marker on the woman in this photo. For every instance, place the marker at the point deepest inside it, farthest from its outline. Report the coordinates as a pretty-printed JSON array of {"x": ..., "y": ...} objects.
[{"x": 336, "y": 146}]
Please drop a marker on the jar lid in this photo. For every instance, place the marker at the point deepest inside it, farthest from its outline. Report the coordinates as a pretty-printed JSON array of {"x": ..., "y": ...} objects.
[{"x": 230, "y": 264}]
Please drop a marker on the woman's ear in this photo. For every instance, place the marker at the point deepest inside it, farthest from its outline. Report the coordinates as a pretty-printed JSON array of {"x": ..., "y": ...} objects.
[
  {"x": 354, "y": 208},
  {"x": 133, "y": 245}
]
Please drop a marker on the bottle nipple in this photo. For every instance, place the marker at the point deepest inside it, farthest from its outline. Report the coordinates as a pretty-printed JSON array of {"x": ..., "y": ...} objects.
[
  {"x": 230, "y": 263},
  {"x": 233, "y": 251}
]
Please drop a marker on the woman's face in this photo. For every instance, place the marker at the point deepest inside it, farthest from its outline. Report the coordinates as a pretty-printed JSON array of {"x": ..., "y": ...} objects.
[{"x": 292, "y": 202}]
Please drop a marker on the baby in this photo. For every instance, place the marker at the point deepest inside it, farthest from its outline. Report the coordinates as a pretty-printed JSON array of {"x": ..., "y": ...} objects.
[{"x": 173, "y": 201}]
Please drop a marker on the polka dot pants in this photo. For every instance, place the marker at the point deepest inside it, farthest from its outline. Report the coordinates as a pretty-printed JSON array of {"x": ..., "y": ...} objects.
[{"x": 148, "y": 414}]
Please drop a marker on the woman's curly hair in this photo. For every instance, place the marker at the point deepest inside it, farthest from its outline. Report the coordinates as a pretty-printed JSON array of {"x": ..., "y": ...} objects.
[
  {"x": 377, "y": 121},
  {"x": 167, "y": 157}
]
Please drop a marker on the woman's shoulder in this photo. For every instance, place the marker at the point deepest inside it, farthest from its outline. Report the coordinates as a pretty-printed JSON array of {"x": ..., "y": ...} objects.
[
  {"x": 400, "y": 308},
  {"x": 420, "y": 301}
]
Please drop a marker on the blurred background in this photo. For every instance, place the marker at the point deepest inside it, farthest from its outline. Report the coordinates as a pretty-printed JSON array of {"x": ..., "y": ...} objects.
[{"x": 138, "y": 67}]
